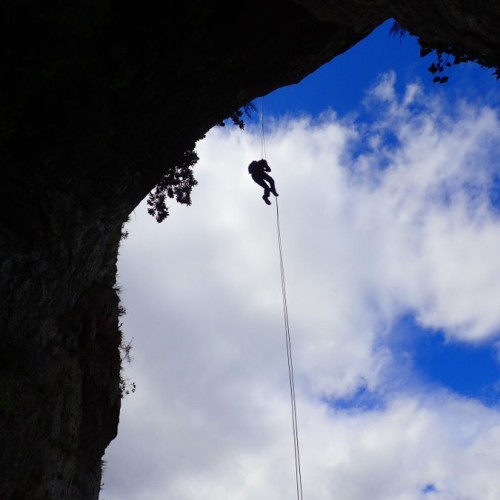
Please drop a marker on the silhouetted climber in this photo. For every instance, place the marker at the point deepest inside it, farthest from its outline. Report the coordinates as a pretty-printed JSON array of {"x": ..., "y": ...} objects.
[{"x": 257, "y": 169}]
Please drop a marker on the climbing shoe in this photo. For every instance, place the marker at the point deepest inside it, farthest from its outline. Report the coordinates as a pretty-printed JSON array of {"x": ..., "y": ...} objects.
[{"x": 266, "y": 199}]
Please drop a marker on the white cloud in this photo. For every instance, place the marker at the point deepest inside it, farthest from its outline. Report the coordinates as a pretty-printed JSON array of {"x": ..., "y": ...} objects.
[{"x": 378, "y": 220}]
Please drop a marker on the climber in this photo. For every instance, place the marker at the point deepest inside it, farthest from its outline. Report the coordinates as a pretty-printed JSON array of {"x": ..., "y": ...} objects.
[{"x": 258, "y": 169}]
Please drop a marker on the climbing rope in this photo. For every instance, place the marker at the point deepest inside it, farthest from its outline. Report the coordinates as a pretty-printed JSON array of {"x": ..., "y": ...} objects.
[
  {"x": 263, "y": 137},
  {"x": 298, "y": 474}
]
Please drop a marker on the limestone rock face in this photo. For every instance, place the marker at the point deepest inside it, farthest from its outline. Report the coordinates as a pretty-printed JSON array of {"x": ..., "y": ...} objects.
[{"x": 97, "y": 100}]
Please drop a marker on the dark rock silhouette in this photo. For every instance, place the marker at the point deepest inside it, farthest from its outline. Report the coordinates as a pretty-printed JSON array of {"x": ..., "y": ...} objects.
[{"x": 98, "y": 100}]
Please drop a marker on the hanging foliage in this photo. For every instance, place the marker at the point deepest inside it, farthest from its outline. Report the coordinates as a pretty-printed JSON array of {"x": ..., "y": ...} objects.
[
  {"x": 177, "y": 184},
  {"x": 178, "y": 181}
]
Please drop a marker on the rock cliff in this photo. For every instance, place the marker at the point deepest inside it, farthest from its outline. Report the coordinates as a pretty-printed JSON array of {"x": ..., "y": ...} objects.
[{"x": 98, "y": 100}]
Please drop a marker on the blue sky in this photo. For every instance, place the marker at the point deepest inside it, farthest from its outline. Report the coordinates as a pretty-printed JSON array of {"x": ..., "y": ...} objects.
[
  {"x": 469, "y": 370},
  {"x": 341, "y": 84},
  {"x": 389, "y": 218}
]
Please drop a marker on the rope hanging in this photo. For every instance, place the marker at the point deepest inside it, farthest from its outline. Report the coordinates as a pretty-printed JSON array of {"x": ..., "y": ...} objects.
[
  {"x": 263, "y": 139},
  {"x": 298, "y": 474}
]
